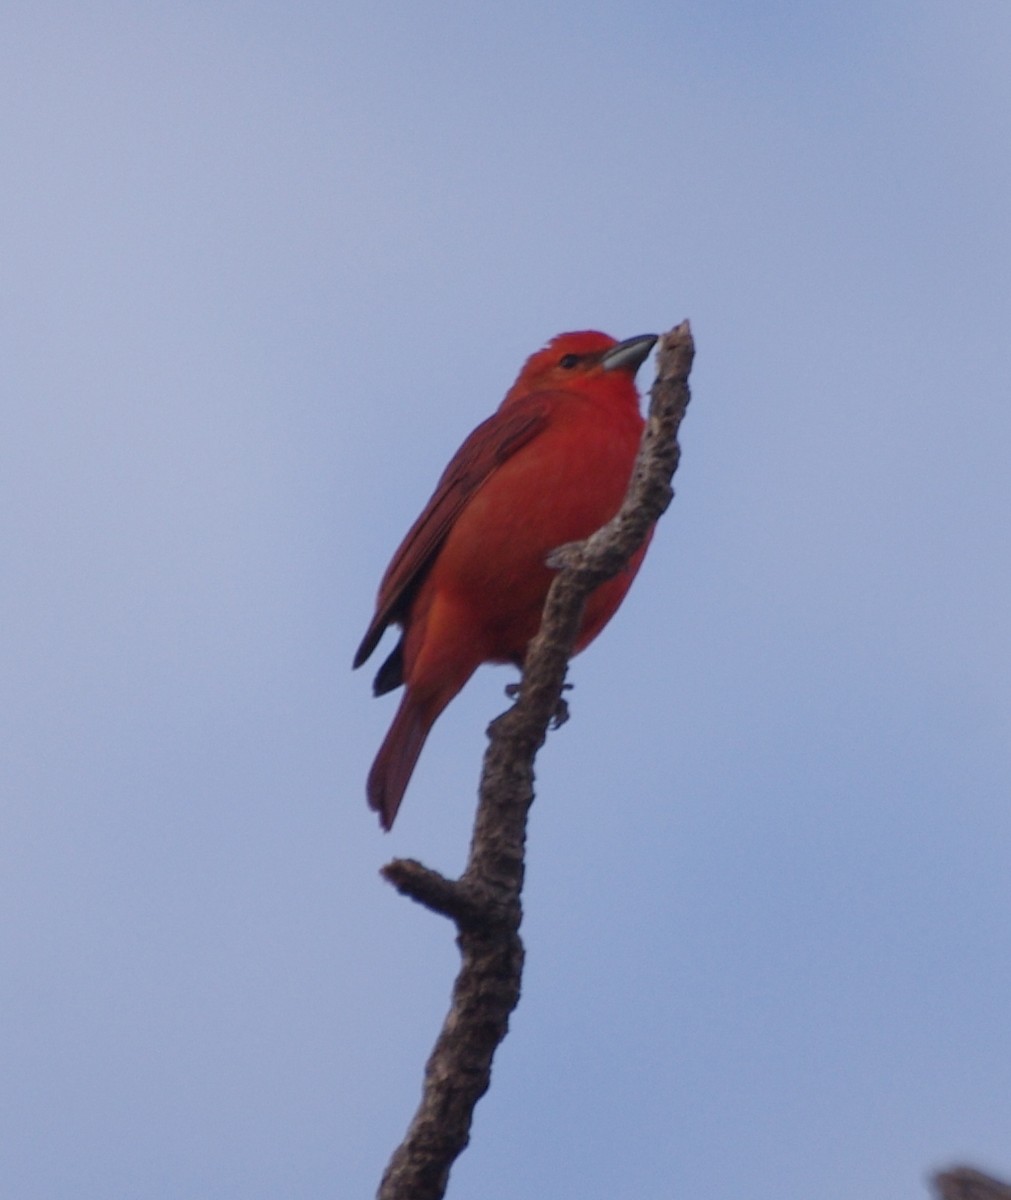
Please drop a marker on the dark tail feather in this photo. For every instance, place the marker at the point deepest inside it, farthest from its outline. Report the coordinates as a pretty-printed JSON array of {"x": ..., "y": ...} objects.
[{"x": 391, "y": 772}]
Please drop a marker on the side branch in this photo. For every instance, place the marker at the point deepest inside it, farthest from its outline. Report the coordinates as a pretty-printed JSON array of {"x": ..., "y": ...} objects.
[
  {"x": 449, "y": 897},
  {"x": 966, "y": 1183},
  {"x": 485, "y": 902}
]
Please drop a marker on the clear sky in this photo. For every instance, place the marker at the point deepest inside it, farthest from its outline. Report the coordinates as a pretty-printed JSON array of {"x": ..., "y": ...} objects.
[{"x": 264, "y": 265}]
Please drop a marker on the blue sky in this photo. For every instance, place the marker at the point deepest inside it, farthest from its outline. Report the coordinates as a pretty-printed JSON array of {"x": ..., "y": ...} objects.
[{"x": 264, "y": 267}]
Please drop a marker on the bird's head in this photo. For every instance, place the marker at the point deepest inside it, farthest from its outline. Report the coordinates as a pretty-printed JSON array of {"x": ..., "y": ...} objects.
[{"x": 575, "y": 359}]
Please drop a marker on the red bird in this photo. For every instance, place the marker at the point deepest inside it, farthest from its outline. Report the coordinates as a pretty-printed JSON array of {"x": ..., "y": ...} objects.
[{"x": 468, "y": 582}]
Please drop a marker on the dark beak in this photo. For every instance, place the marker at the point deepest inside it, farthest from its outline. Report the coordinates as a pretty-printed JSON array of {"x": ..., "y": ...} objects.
[{"x": 630, "y": 354}]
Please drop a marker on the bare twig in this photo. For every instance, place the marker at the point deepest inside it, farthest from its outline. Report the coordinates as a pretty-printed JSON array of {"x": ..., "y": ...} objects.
[
  {"x": 966, "y": 1183},
  {"x": 485, "y": 902}
]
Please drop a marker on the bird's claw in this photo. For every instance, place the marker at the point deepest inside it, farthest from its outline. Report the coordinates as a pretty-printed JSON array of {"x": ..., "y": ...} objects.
[{"x": 561, "y": 713}]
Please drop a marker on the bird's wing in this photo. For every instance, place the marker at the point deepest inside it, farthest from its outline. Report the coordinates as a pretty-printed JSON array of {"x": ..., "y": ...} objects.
[{"x": 491, "y": 443}]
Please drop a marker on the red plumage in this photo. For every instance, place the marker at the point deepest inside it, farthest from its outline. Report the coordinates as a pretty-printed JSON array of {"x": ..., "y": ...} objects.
[{"x": 467, "y": 584}]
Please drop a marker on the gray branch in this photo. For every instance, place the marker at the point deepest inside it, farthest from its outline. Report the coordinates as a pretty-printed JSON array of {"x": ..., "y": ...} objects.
[{"x": 484, "y": 902}]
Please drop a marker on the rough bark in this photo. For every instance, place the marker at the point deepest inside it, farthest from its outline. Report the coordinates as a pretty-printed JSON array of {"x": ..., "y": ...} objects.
[{"x": 484, "y": 903}]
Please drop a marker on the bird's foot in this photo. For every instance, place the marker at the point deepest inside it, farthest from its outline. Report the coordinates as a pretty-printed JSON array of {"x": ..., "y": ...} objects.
[{"x": 561, "y": 713}]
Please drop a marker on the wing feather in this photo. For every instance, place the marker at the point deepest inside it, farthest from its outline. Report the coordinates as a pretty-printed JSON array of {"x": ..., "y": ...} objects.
[{"x": 491, "y": 444}]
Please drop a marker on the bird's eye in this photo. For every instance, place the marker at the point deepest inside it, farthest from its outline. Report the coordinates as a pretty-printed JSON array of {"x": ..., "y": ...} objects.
[{"x": 568, "y": 361}]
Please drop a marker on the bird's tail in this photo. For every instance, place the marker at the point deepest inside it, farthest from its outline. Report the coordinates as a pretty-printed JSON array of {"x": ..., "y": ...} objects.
[{"x": 395, "y": 762}]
